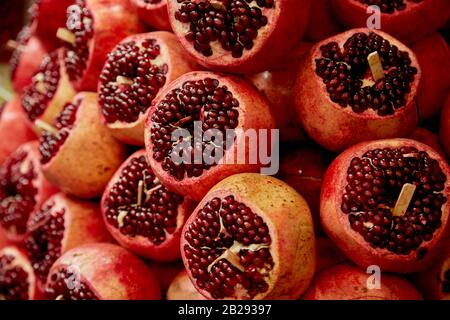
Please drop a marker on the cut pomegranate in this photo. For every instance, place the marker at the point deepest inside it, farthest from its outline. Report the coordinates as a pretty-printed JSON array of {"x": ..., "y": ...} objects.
[
  {"x": 14, "y": 130},
  {"x": 369, "y": 212},
  {"x": 49, "y": 91},
  {"x": 347, "y": 282},
  {"x": 141, "y": 214},
  {"x": 239, "y": 36},
  {"x": 327, "y": 254},
  {"x": 219, "y": 102},
  {"x": 251, "y": 237},
  {"x": 182, "y": 288},
  {"x": 154, "y": 13},
  {"x": 445, "y": 126},
  {"x": 341, "y": 101},
  {"x": 23, "y": 189},
  {"x": 323, "y": 23},
  {"x": 135, "y": 71},
  {"x": 101, "y": 272},
  {"x": 59, "y": 225},
  {"x": 429, "y": 138},
  {"x": 17, "y": 280},
  {"x": 78, "y": 131},
  {"x": 408, "y": 20},
  {"x": 434, "y": 283},
  {"x": 94, "y": 27}
]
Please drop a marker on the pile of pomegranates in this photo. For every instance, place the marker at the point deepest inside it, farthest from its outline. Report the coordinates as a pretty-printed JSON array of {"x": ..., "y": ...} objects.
[{"x": 227, "y": 150}]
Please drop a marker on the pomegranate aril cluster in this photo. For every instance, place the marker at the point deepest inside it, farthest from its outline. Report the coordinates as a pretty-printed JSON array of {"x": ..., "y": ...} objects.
[
  {"x": 126, "y": 102},
  {"x": 375, "y": 181},
  {"x": 233, "y": 23},
  {"x": 68, "y": 285},
  {"x": 50, "y": 142},
  {"x": 343, "y": 71},
  {"x": 17, "y": 192},
  {"x": 13, "y": 280},
  {"x": 389, "y": 6},
  {"x": 155, "y": 216},
  {"x": 203, "y": 101},
  {"x": 21, "y": 40},
  {"x": 218, "y": 226}
]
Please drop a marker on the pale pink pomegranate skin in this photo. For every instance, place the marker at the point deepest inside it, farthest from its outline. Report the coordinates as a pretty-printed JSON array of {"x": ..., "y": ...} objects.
[
  {"x": 338, "y": 228},
  {"x": 430, "y": 281},
  {"x": 408, "y": 25},
  {"x": 111, "y": 272},
  {"x": 347, "y": 282},
  {"x": 182, "y": 288},
  {"x": 287, "y": 24},
  {"x": 153, "y": 14},
  {"x": 336, "y": 128}
]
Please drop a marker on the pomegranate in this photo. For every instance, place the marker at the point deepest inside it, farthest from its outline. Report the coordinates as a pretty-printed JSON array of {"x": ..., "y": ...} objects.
[
  {"x": 3, "y": 240},
  {"x": 101, "y": 272},
  {"x": 218, "y": 102},
  {"x": 386, "y": 203},
  {"x": 25, "y": 60},
  {"x": 327, "y": 254},
  {"x": 339, "y": 100},
  {"x": 135, "y": 71},
  {"x": 433, "y": 54},
  {"x": 141, "y": 214},
  {"x": 23, "y": 189},
  {"x": 434, "y": 283},
  {"x": 407, "y": 20},
  {"x": 182, "y": 288},
  {"x": 49, "y": 91},
  {"x": 323, "y": 23},
  {"x": 347, "y": 282},
  {"x": 429, "y": 138},
  {"x": 166, "y": 271},
  {"x": 93, "y": 29},
  {"x": 17, "y": 280},
  {"x": 251, "y": 237},
  {"x": 239, "y": 36},
  {"x": 14, "y": 130},
  {"x": 154, "y": 13},
  {"x": 445, "y": 126},
  {"x": 60, "y": 224},
  {"x": 78, "y": 131}
]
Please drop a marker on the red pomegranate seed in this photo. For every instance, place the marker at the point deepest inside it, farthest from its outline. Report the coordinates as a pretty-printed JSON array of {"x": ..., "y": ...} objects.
[
  {"x": 66, "y": 285},
  {"x": 13, "y": 280}
]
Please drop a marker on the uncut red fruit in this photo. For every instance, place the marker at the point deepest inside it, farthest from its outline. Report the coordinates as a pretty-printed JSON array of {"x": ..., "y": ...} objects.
[
  {"x": 17, "y": 279},
  {"x": 14, "y": 129},
  {"x": 404, "y": 19},
  {"x": 323, "y": 23},
  {"x": 60, "y": 224},
  {"x": 153, "y": 13},
  {"x": 25, "y": 59},
  {"x": 434, "y": 283},
  {"x": 385, "y": 203},
  {"x": 77, "y": 153},
  {"x": 445, "y": 126},
  {"x": 347, "y": 282},
  {"x": 340, "y": 102},
  {"x": 142, "y": 214},
  {"x": 216, "y": 102},
  {"x": 49, "y": 91},
  {"x": 251, "y": 237},
  {"x": 429, "y": 138},
  {"x": 166, "y": 271},
  {"x": 135, "y": 71},
  {"x": 433, "y": 55},
  {"x": 327, "y": 254},
  {"x": 94, "y": 28},
  {"x": 182, "y": 288},
  {"x": 236, "y": 36},
  {"x": 101, "y": 272},
  {"x": 23, "y": 189}
]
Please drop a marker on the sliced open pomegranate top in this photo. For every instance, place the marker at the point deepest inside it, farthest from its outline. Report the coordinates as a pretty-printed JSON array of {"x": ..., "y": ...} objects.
[
  {"x": 131, "y": 79},
  {"x": 14, "y": 278},
  {"x": 204, "y": 100},
  {"x": 139, "y": 205},
  {"x": 349, "y": 81},
  {"x": 43, "y": 87},
  {"x": 21, "y": 40},
  {"x": 390, "y": 6},
  {"x": 68, "y": 284},
  {"x": 228, "y": 250},
  {"x": 17, "y": 191},
  {"x": 375, "y": 181}
]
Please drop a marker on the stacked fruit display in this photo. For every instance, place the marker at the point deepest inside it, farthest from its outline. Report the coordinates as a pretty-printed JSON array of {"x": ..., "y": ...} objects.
[{"x": 94, "y": 204}]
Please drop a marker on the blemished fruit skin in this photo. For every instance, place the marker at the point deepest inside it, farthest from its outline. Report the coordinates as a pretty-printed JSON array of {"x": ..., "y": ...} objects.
[{"x": 445, "y": 126}]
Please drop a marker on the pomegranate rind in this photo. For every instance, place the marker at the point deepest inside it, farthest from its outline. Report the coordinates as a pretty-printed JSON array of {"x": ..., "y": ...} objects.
[
  {"x": 430, "y": 281},
  {"x": 182, "y": 288},
  {"x": 445, "y": 126},
  {"x": 328, "y": 254},
  {"x": 429, "y": 138},
  {"x": 153, "y": 14}
]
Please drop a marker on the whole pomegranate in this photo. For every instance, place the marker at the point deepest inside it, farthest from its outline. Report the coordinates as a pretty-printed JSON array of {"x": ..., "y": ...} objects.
[
  {"x": 434, "y": 283},
  {"x": 101, "y": 272},
  {"x": 239, "y": 36},
  {"x": 251, "y": 237},
  {"x": 323, "y": 23},
  {"x": 341, "y": 101},
  {"x": 203, "y": 103},
  {"x": 182, "y": 288},
  {"x": 429, "y": 138},
  {"x": 445, "y": 126},
  {"x": 347, "y": 282},
  {"x": 154, "y": 13},
  {"x": 142, "y": 214},
  {"x": 385, "y": 203}
]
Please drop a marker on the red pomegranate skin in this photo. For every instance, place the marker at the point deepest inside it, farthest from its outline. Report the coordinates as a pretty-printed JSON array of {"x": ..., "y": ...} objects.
[
  {"x": 322, "y": 23},
  {"x": 111, "y": 272},
  {"x": 429, "y": 138},
  {"x": 409, "y": 25},
  {"x": 351, "y": 243},
  {"x": 327, "y": 254},
  {"x": 445, "y": 126},
  {"x": 347, "y": 282},
  {"x": 3, "y": 240},
  {"x": 336, "y": 128},
  {"x": 153, "y": 14},
  {"x": 14, "y": 129},
  {"x": 166, "y": 272},
  {"x": 182, "y": 288},
  {"x": 433, "y": 283},
  {"x": 433, "y": 54}
]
